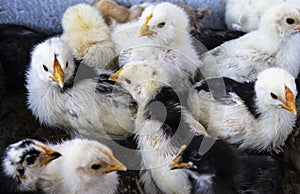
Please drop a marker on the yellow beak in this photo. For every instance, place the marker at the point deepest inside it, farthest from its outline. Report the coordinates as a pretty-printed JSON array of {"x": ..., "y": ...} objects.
[
  {"x": 58, "y": 74},
  {"x": 115, "y": 164},
  {"x": 145, "y": 29},
  {"x": 115, "y": 77},
  {"x": 297, "y": 28},
  {"x": 177, "y": 162},
  {"x": 290, "y": 104},
  {"x": 49, "y": 156}
]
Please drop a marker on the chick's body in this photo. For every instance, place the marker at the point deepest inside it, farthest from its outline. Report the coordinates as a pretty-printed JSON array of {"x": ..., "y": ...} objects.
[
  {"x": 90, "y": 107},
  {"x": 274, "y": 44},
  {"x": 256, "y": 115}
]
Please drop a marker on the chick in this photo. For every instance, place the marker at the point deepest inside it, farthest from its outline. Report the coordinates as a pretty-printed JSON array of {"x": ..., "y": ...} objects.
[
  {"x": 86, "y": 32},
  {"x": 214, "y": 167},
  {"x": 25, "y": 161},
  {"x": 274, "y": 44},
  {"x": 255, "y": 115},
  {"x": 91, "y": 107},
  {"x": 162, "y": 123},
  {"x": 87, "y": 167},
  {"x": 161, "y": 33},
  {"x": 245, "y": 15}
]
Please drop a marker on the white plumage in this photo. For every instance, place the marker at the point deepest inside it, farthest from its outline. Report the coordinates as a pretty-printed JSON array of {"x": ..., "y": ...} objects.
[
  {"x": 274, "y": 44},
  {"x": 161, "y": 33},
  {"x": 90, "y": 107},
  {"x": 161, "y": 124},
  {"x": 257, "y": 116},
  {"x": 24, "y": 161},
  {"x": 85, "y": 30},
  {"x": 87, "y": 167},
  {"x": 245, "y": 15}
]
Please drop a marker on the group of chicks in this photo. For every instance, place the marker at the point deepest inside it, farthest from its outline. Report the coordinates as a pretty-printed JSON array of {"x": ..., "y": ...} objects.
[{"x": 183, "y": 107}]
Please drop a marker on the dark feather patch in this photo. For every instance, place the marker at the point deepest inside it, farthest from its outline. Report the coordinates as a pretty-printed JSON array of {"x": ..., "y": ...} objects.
[
  {"x": 221, "y": 87},
  {"x": 25, "y": 143},
  {"x": 31, "y": 152},
  {"x": 169, "y": 113}
]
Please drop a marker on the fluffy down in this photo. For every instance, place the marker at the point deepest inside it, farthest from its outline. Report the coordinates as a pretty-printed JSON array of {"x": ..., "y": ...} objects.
[{"x": 85, "y": 30}]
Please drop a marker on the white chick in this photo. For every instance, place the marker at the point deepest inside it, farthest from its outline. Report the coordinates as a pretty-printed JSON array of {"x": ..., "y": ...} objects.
[
  {"x": 255, "y": 115},
  {"x": 25, "y": 161},
  {"x": 87, "y": 167},
  {"x": 162, "y": 123},
  {"x": 85, "y": 30},
  {"x": 90, "y": 107},
  {"x": 161, "y": 33},
  {"x": 275, "y": 44},
  {"x": 245, "y": 15}
]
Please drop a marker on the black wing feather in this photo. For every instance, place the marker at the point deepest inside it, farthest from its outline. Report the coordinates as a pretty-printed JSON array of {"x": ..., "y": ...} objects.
[{"x": 223, "y": 86}]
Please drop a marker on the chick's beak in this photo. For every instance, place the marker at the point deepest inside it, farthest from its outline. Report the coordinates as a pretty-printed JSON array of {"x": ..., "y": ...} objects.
[
  {"x": 145, "y": 29},
  {"x": 115, "y": 77},
  {"x": 297, "y": 28},
  {"x": 115, "y": 164},
  {"x": 177, "y": 162},
  {"x": 49, "y": 155},
  {"x": 290, "y": 104},
  {"x": 58, "y": 74}
]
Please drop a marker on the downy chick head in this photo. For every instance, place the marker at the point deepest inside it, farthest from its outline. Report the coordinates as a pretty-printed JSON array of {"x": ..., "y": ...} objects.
[
  {"x": 276, "y": 90},
  {"x": 52, "y": 61},
  {"x": 198, "y": 157},
  {"x": 92, "y": 163},
  {"x": 141, "y": 79},
  {"x": 281, "y": 20},
  {"x": 164, "y": 22},
  {"x": 25, "y": 160}
]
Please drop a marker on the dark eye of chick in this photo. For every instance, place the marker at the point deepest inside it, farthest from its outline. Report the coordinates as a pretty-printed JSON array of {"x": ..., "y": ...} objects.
[
  {"x": 67, "y": 64},
  {"x": 161, "y": 25},
  {"x": 128, "y": 81},
  {"x": 96, "y": 166},
  {"x": 275, "y": 97},
  {"x": 31, "y": 159},
  {"x": 45, "y": 68},
  {"x": 195, "y": 156},
  {"x": 290, "y": 21}
]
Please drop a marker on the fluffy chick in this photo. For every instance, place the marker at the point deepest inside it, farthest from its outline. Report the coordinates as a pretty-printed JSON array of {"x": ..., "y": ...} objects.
[
  {"x": 214, "y": 167},
  {"x": 162, "y": 123},
  {"x": 90, "y": 107},
  {"x": 274, "y": 44},
  {"x": 256, "y": 115},
  {"x": 25, "y": 161},
  {"x": 87, "y": 167},
  {"x": 161, "y": 33},
  {"x": 88, "y": 35},
  {"x": 245, "y": 15}
]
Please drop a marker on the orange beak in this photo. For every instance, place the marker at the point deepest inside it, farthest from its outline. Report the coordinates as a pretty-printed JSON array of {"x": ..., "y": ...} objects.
[
  {"x": 145, "y": 29},
  {"x": 290, "y": 104},
  {"x": 177, "y": 162},
  {"x": 115, "y": 77},
  {"x": 115, "y": 164},
  {"x": 297, "y": 28},
  {"x": 49, "y": 156},
  {"x": 58, "y": 74}
]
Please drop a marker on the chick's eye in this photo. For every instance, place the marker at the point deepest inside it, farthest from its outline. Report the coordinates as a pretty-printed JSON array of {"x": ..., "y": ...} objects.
[
  {"x": 67, "y": 64},
  {"x": 31, "y": 159},
  {"x": 96, "y": 166},
  {"x": 161, "y": 25},
  {"x": 196, "y": 156},
  {"x": 274, "y": 96},
  {"x": 45, "y": 68},
  {"x": 290, "y": 21}
]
